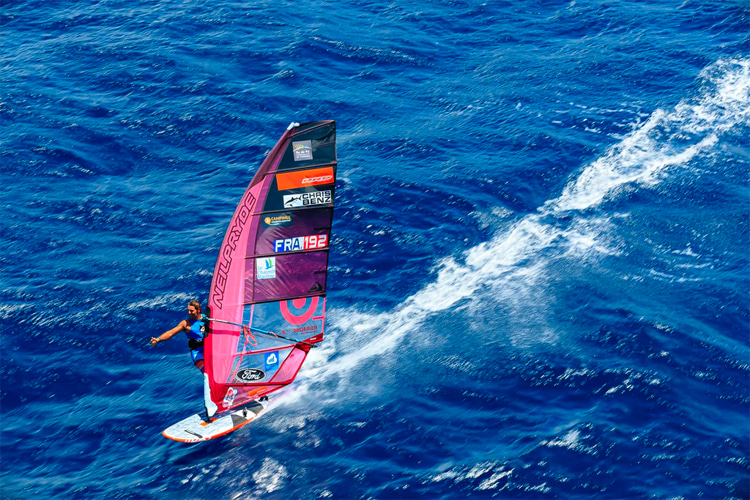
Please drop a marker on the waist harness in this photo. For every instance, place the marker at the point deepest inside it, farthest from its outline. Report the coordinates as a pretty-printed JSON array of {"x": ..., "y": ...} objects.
[{"x": 195, "y": 344}]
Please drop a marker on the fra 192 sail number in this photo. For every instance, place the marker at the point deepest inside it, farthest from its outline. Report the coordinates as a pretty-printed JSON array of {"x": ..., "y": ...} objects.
[{"x": 311, "y": 242}]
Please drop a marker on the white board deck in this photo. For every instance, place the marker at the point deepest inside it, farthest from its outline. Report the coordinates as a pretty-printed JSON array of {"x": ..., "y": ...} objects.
[{"x": 194, "y": 429}]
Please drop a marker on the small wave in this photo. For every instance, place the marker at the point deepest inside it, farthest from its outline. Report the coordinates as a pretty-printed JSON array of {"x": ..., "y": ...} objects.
[{"x": 271, "y": 476}]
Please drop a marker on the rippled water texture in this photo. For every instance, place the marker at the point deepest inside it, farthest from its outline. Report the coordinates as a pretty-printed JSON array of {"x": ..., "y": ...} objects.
[{"x": 539, "y": 267}]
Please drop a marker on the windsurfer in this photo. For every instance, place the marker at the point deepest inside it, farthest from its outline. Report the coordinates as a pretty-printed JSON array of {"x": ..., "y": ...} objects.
[{"x": 194, "y": 328}]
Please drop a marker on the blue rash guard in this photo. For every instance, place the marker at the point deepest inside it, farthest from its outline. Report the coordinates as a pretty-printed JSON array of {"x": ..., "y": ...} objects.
[{"x": 196, "y": 333}]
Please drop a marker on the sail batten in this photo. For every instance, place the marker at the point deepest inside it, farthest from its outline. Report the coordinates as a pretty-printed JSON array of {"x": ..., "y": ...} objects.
[{"x": 272, "y": 269}]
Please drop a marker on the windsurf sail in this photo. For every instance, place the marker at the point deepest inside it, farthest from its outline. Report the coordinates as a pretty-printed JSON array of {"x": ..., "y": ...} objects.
[{"x": 267, "y": 297}]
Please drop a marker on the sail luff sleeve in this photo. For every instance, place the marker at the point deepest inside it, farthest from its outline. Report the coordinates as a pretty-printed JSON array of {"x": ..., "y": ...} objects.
[{"x": 226, "y": 295}]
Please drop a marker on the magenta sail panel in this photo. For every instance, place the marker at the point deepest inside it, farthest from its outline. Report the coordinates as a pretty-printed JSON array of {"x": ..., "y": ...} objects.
[
  {"x": 280, "y": 232},
  {"x": 267, "y": 297},
  {"x": 285, "y": 276}
]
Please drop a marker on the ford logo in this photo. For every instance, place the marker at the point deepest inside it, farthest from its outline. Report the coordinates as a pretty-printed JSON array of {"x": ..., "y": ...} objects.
[{"x": 250, "y": 375}]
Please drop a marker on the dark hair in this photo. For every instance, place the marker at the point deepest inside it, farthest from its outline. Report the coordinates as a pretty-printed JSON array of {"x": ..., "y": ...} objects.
[{"x": 195, "y": 304}]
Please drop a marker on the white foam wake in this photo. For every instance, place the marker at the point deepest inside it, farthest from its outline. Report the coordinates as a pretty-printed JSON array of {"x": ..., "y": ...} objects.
[{"x": 513, "y": 258}]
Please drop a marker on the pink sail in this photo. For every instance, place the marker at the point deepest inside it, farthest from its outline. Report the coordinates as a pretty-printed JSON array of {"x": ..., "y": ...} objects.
[{"x": 267, "y": 296}]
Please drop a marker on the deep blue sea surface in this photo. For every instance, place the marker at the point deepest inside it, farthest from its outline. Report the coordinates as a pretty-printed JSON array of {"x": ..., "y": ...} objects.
[{"x": 539, "y": 282}]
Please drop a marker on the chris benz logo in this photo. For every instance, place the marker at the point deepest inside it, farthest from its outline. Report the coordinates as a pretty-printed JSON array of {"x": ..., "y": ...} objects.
[
  {"x": 308, "y": 199},
  {"x": 250, "y": 375}
]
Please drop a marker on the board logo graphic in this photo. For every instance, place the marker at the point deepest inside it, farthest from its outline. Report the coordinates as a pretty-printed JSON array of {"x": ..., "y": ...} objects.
[
  {"x": 308, "y": 199},
  {"x": 302, "y": 150},
  {"x": 265, "y": 268},
  {"x": 279, "y": 220},
  {"x": 248, "y": 375},
  {"x": 229, "y": 398},
  {"x": 304, "y": 178},
  {"x": 301, "y": 243}
]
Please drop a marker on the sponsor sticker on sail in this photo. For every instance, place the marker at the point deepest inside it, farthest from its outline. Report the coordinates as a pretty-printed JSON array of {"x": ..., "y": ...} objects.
[
  {"x": 304, "y": 178},
  {"x": 308, "y": 199},
  {"x": 279, "y": 220},
  {"x": 271, "y": 361},
  {"x": 249, "y": 375},
  {"x": 302, "y": 150},
  {"x": 229, "y": 397},
  {"x": 265, "y": 268}
]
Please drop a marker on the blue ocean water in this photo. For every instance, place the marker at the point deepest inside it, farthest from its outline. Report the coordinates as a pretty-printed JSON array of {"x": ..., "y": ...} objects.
[{"x": 539, "y": 279}]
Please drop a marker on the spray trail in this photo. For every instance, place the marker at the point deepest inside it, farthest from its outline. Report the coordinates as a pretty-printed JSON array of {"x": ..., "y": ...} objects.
[{"x": 514, "y": 258}]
